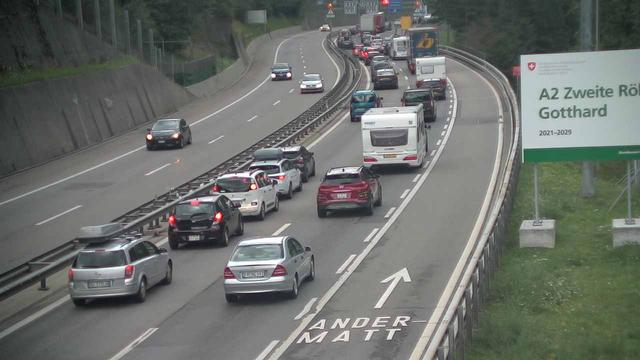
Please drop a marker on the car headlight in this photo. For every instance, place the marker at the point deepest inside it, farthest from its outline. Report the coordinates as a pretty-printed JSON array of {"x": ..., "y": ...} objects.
[
  {"x": 273, "y": 76},
  {"x": 288, "y": 74},
  {"x": 149, "y": 137},
  {"x": 176, "y": 135}
]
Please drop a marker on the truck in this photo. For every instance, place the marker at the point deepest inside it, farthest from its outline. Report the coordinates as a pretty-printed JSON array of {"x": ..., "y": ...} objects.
[
  {"x": 372, "y": 23},
  {"x": 423, "y": 42}
]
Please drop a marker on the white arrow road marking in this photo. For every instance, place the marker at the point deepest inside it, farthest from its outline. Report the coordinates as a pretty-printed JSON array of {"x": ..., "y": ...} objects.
[
  {"x": 135, "y": 343},
  {"x": 216, "y": 139},
  {"x": 394, "y": 279},
  {"x": 158, "y": 169},
  {"x": 267, "y": 350},
  {"x": 306, "y": 309},
  {"x": 57, "y": 216}
]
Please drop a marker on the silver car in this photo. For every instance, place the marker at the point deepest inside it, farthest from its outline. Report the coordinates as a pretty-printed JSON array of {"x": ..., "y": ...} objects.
[
  {"x": 272, "y": 264},
  {"x": 118, "y": 268},
  {"x": 311, "y": 83}
]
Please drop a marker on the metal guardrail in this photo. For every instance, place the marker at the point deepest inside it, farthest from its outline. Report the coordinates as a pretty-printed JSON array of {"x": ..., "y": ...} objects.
[
  {"x": 453, "y": 330},
  {"x": 155, "y": 211}
]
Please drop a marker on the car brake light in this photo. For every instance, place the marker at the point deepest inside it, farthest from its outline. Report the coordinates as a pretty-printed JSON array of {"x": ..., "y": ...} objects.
[
  {"x": 149, "y": 137},
  {"x": 172, "y": 220},
  {"x": 70, "y": 274},
  {"x": 217, "y": 218},
  {"x": 128, "y": 271},
  {"x": 281, "y": 177},
  {"x": 253, "y": 186},
  {"x": 410, "y": 157},
  {"x": 215, "y": 188},
  {"x": 228, "y": 274},
  {"x": 195, "y": 202},
  {"x": 279, "y": 271},
  {"x": 370, "y": 159}
]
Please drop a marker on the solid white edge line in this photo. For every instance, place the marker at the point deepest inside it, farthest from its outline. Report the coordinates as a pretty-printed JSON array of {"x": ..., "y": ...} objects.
[
  {"x": 4, "y": 202},
  {"x": 216, "y": 139},
  {"x": 388, "y": 214},
  {"x": 334, "y": 64},
  {"x": 134, "y": 343},
  {"x": 306, "y": 308},
  {"x": 360, "y": 258},
  {"x": 346, "y": 263},
  {"x": 404, "y": 193},
  {"x": 158, "y": 169},
  {"x": 57, "y": 216},
  {"x": 373, "y": 232},
  {"x": 267, "y": 350},
  {"x": 425, "y": 338},
  {"x": 281, "y": 229},
  {"x": 33, "y": 317}
]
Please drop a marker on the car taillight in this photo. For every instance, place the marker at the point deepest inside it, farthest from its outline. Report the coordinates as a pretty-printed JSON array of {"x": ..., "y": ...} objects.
[
  {"x": 215, "y": 188},
  {"x": 70, "y": 274},
  {"x": 172, "y": 220},
  {"x": 228, "y": 274},
  {"x": 370, "y": 159},
  {"x": 411, "y": 157},
  {"x": 279, "y": 271},
  {"x": 217, "y": 218},
  {"x": 128, "y": 271},
  {"x": 281, "y": 177},
  {"x": 149, "y": 137}
]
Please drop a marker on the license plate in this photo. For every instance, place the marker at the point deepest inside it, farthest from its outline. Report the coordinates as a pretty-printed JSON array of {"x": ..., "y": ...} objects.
[
  {"x": 160, "y": 141},
  {"x": 342, "y": 195},
  {"x": 99, "y": 284},
  {"x": 252, "y": 274},
  {"x": 389, "y": 156},
  {"x": 194, "y": 237}
]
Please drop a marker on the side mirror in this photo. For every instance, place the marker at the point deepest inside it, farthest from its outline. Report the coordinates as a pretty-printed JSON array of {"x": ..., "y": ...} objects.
[
  {"x": 307, "y": 249},
  {"x": 162, "y": 250}
]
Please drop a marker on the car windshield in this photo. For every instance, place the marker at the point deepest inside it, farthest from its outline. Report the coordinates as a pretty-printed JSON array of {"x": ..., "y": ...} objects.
[
  {"x": 338, "y": 179},
  {"x": 417, "y": 96},
  {"x": 280, "y": 67},
  {"x": 311, "y": 77},
  {"x": 234, "y": 184},
  {"x": 258, "y": 252},
  {"x": 166, "y": 125},
  {"x": 100, "y": 259},
  {"x": 360, "y": 98},
  {"x": 194, "y": 208},
  {"x": 269, "y": 169}
]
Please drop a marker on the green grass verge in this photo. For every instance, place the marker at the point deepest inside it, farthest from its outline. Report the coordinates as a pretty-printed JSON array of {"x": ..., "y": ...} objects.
[
  {"x": 13, "y": 78},
  {"x": 578, "y": 300}
]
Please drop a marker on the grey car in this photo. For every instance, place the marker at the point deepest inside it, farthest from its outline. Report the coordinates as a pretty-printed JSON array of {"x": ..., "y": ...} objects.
[
  {"x": 265, "y": 265},
  {"x": 118, "y": 268}
]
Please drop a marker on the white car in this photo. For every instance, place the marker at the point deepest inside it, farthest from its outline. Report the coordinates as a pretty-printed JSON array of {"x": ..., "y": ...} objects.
[
  {"x": 325, "y": 27},
  {"x": 284, "y": 172},
  {"x": 253, "y": 191},
  {"x": 311, "y": 83}
]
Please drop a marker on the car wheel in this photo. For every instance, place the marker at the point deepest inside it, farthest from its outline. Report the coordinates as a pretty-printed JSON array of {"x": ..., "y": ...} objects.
[
  {"x": 190, "y": 138},
  {"x": 141, "y": 296},
  {"x": 353, "y": 119},
  {"x": 224, "y": 240},
  {"x": 290, "y": 191},
  {"x": 262, "y": 214},
  {"x": 369, "y": 209},
  {"x": 181, "y": 144},
  {"x": 276, "y": 207},
  {"x": 321, "y": 212},
  {"x": 293, "y": 293},
  {"x": 379, "y": 201},
  {"x": 304, "y": 176},
  {"x": 79, "y": 302},
  {"x": 149, "y": 147},
  {"x": 231, "y": 298},
  {"x": 173, "y": 243},
  {"x": 168, "y": 277},
  {"x": 299, "y": 188},
  {"x": 312, "y": 270},
  {"x": 313, "y": 170},
  {"x": 240, "y": 229}
]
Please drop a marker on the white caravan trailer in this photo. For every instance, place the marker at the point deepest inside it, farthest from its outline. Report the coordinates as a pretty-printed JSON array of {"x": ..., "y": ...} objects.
[{"x": 399, "y": 47}]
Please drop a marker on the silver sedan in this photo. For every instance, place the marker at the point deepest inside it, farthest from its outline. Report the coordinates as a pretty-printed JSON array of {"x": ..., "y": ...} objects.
[{"x": 272, "y": 264}]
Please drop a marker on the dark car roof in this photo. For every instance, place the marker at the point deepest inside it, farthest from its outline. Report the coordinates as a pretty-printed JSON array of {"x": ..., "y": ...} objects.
[{"x": 205, "y": 199}]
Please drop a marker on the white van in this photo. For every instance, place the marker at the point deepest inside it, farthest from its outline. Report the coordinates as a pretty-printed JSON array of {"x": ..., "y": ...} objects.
[
  {"x": 399, "y": 47},
  {"x": 432, "y": 72},
  {"x": 394, "y": 135}
]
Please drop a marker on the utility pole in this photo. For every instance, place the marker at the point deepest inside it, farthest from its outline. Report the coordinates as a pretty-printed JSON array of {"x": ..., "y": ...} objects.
[{"x": 587, "y": 186}]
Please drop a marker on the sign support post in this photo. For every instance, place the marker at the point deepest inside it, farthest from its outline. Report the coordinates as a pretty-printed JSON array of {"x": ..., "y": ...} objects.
[
  {"x": 536, "y": 219},
  {"x": 629, "y": 220}
]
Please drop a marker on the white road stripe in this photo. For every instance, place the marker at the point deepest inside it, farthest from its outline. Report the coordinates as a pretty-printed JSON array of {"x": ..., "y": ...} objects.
[
  {"x": 426, "y": 164},
  {"x": 443, "y": 132},
  {"x": 390, "y": 212},
  {"x": 57, "y": 216},
  {"x": 303, "y": 61},
  {"x": 415, "y": 179},
  {"x": 449, "y": 112},
  {"x": 33, "y": 317},
  {"x": 252, "y": 118},
  {"x": 267, "y": 350},
  {"x": 162, "y": 242},
  {"x": 276, "y": 103},
  {"x": 306, "y": 309},
  {"x": 406, "y": 77},
  {"x": 446, "y": 126},
  {"x": 419, "y": 321},
  {"x": 371, "y": 234},
  {"x": 408, "y": 87},
  {"x": 281, "y": 229},
  {"x": 135, "y": 343},
  {"x": 433, "y": 152},
  {"x": 439, "y": 142},
  {"x": 158, "y": 169},
  {"x": 448, "y": 119},
  {"x": 404, "y": 194},
  {"x": 216, "y": 139},
  {"x": 346, "y": 263},
  {"x": 292, "y": 90}
]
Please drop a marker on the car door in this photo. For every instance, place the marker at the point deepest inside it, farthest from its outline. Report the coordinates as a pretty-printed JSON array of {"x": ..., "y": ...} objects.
[
  {"x": 370, "y": 178},
  {"x": 140, "y": 259},
  {"x": 292, "y": 173},
  {"x": 157, "y": 266},
  {"x": 267, "y": 189},
  {"x": 295, "y": 260},
  {"x": 305, "y": 261},
  {"x": 229, "y": 216}
]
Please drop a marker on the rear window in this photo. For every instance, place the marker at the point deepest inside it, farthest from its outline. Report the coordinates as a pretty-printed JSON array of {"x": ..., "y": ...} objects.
[
  {"x": 188, "y": 210},
  {"x": 258, "y": 252},
  {"x": 337, "y": 179},
  {"x": 362, "y": 98},
  {"x": 389, "y": 137},
  {"x": 100, "y": 259},
  {"x": 426, "y": 69},
  {"x": 417, "y": 96},
  {"x": 268, "y": 154},
  {"x": 234, "y": 184},
  {"x": 269, "y": 169},
  {"x": 291, "y": 154}
]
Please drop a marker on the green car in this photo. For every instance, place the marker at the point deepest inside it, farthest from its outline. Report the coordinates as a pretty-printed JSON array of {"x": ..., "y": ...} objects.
[{"x": 363, "y": 100}]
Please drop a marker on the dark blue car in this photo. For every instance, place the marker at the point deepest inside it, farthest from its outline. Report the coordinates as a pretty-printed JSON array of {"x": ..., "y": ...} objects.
[
  {"x": 281, "y": 71},
  {"x": 363, "y": 100}
]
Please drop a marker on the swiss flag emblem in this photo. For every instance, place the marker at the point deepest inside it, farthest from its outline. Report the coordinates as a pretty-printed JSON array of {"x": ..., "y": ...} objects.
[{"x": 531, "y": 65}]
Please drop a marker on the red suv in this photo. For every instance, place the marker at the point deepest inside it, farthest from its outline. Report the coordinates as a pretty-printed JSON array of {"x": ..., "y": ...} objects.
[{"x": 346, "y": 188}]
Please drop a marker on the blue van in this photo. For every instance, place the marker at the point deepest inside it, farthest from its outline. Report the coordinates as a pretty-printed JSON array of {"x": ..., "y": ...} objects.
[{"x": 363, "y": 100}]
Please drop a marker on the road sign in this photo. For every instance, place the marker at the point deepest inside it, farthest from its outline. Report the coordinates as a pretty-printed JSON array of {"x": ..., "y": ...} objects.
[
  {"x": 395, "y": 6},
  {"x": 581, "y": 106},
  {"x": 331, "y": 14},
  {"x": 350, "y": 7}
]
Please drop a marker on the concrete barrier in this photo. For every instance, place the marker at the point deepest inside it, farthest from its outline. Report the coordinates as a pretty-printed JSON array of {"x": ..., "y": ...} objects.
[{"x": 47, "y": 119}]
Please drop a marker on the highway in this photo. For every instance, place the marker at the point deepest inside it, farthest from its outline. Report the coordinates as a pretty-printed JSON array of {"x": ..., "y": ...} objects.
[{"x": 425, "y": 222}]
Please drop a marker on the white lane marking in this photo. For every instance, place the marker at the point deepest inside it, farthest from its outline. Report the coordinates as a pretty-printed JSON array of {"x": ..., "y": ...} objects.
[
  {"x": 328, "y": 295},
  {"x": 334, "y": 64},
  {"x": 446, "y": 126},
  {"x": 452, "y": 283},
  {"x": 292, "y": 90},
  {"x": 33, "y": 317},
  {"x": 346, "y": 263},
  {"x": 158, "y": 169},
  {"x": 408, "y": 87},
  {"x": 406, "y": 77},
  {"x": 305, "y": 66},
  {"x": 390, "y": 212},
  {"x": 216, "y": 139},
  {"x": 306, "y": 309},
  {"x": 281, "y": 229},
  {"x": 303, "y": 61},
  {"x": 133, "y": 344},
  {"x": 415, "y": 179},
  {"x": 442, "y": 133},
  {"x": 267, "y": 350},
  {"x": 439, "y": 142},
  {"x": 449, "y": 112},
  {"x": 426, "y": 164},
  {"x": 434, "y": 151},
  {"x": 371, "y": 234},
  {"x": 450, "y": 107},
  {"x": 144, "y": 146},
  {"x": 419, "y": 321},
  {"x": 276, "y": 103},
  {"x": 57, "y": 216},
  {"x": 404, "y": 194},
  {"x": 162, "y": 242},
  {"x": 252, "y": 118}
]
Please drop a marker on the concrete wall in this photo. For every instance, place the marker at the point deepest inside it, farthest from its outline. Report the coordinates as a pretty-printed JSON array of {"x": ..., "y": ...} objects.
[{"x": 46, "y": 119}]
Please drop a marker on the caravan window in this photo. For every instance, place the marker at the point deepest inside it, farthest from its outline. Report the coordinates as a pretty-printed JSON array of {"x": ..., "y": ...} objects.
[
  {"x": 389, "y": 137},
  {"x": 426, "y": 69}
]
